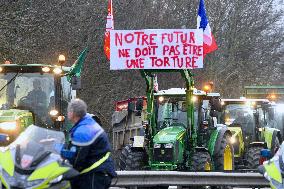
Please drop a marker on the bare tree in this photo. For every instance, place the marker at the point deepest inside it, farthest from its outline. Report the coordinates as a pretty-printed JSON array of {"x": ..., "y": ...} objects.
[{"x": 249, "y": 34}]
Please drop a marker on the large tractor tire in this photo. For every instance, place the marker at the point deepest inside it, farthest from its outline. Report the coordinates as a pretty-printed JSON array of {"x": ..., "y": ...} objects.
[
  {"x": 201, "y": 161},
  {"x": 224, "y": 157},
  {"x": 253, "y": 155},
  {"x": 123, "y": 157},
  {"x": 132, "y": 160}
]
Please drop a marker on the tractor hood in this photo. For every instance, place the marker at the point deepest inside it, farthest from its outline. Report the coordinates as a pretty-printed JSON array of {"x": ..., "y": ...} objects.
[
  {"x": 13, "y": 114},
  {"x": 169, "y": 134}
]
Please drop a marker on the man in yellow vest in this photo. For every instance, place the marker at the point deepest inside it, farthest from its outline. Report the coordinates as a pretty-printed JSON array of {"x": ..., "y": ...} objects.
[{"x": 273, "y": 169}]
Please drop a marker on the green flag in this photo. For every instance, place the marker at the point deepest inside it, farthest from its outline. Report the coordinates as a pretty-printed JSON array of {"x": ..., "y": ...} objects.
[{"x": 78, "y": 64}]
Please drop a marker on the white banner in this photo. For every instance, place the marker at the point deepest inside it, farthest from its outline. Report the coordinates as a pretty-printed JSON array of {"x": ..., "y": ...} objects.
[{"x": 156, "y": 49}]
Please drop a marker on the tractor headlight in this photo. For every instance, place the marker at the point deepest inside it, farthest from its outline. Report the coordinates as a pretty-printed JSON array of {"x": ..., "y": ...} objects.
[
  {"x": 8, "y": 126},
  {"x": 194, "y": 98},
  {"x": 53, "y": 113},
  {"x": 56, "y": 180},
  {"x": 233, "y": 140},
  {"x": 157, "y": 145},
  {"x": 57, "y": 70},
  {"x": 229, "y": 121},
  {"x": 161, "y": 99},
  {"x": 169, "y": 145},
  {"x": 45, "y": 69},
  {"x": 60, "y": 118}
]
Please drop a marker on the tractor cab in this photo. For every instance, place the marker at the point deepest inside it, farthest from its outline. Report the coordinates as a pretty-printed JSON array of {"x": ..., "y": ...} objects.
[
  {"x": 32, "y": 94},
  {"x": 171, "y": 107},
  {"x": 251, "y": 115},
  {"x": 252, "y": 123}
]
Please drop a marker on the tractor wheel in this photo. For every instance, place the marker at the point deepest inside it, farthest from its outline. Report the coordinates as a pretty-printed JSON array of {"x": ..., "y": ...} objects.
[
  {"x": 123, "y": 157},
  {"x": 253, "y": 155},
  {"x": 201, "y": 161},
  {"x": 224, "y": 158},
  {"x": 131, "y": 160},
  {"x": 135, "y": 161}
]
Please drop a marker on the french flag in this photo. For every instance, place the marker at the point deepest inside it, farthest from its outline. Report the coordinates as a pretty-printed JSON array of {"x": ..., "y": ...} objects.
[
  {"x": 109, "y": 26},
  {"x": 209, "y": 43}
]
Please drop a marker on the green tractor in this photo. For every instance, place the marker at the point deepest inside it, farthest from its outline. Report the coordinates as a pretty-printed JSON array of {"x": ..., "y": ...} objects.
[
  {"x": 254, "y": 128},
  {"x": 33, "y": 94},
  {"x": 181, "y": 131}
]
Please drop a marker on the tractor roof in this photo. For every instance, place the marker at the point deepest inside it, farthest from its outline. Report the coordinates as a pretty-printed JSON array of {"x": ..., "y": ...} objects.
[
  {"x": 245, "y": 100},
  {"x": 182, "y": 91},
  {"x": 29, "y": 68},
  {"x": 265, "y": 87}
]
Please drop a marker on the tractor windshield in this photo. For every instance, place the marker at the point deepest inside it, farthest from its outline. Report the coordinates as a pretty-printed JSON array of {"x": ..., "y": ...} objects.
[
  {"x": 239, "y": 114},
  {"x": 171, "y": 111},
  {"x": 28, "y": 91}
]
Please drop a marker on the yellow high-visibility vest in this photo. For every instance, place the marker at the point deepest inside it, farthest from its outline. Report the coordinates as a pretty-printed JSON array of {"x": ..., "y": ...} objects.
[
  {"x": 96, "y": 164},
  {"x": 273, "y": 173}
]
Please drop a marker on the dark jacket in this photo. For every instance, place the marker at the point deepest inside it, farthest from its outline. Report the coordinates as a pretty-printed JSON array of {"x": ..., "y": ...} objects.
[
  {"x": 91, "y": 144},
  {"x": 37, "y": 98}
]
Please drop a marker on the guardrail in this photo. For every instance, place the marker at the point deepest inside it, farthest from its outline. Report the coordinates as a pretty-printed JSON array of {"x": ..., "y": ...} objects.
[{"x": 174, "y": 178}]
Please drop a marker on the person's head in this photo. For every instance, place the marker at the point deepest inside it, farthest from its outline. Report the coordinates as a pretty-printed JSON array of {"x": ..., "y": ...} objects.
[
  {"x": 77, "y": 109},
  {"x": 36, "y": 84}
]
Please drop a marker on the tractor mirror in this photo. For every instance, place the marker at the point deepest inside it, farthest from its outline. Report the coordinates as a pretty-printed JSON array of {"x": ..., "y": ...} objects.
[
  {"x": 216, "y": 104},
  {"x": 76, "y": 83},
  {"x": 139, "y": 104}
]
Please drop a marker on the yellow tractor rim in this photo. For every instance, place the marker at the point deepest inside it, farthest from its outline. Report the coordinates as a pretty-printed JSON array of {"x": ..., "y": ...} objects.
[
  {"x": 228, "y": 158},
  {"x": 207, "y": 166}
]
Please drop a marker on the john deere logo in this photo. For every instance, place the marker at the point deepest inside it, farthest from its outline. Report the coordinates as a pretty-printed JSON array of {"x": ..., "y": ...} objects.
[{"x": 162, "y": 152}]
